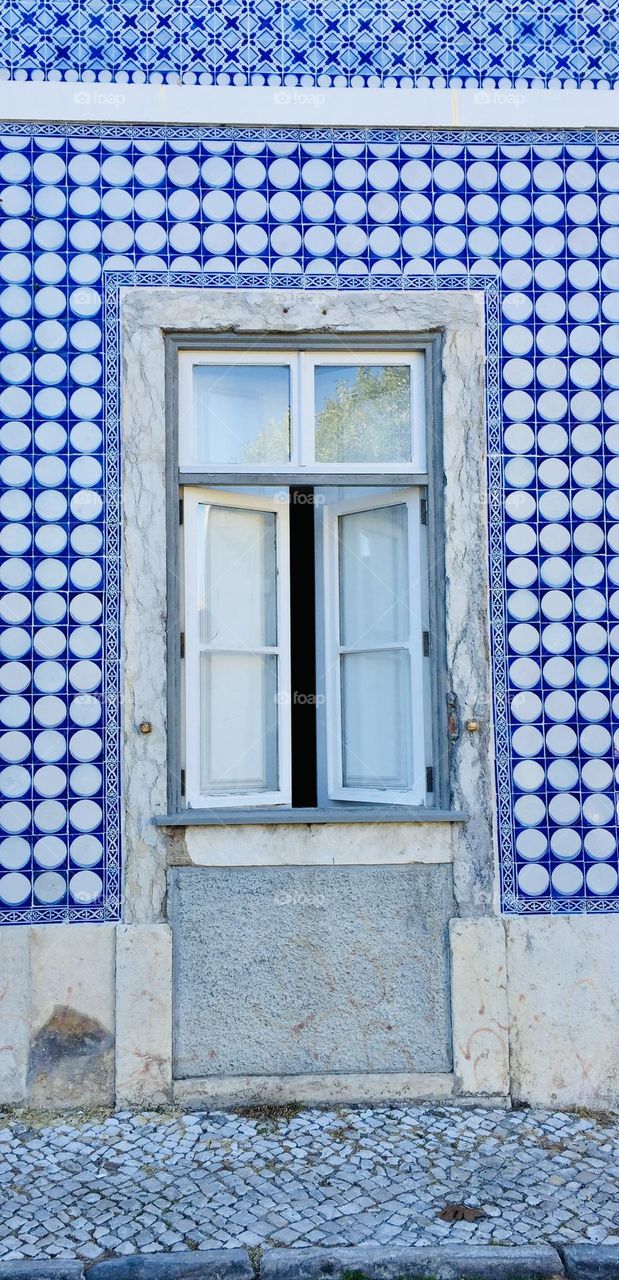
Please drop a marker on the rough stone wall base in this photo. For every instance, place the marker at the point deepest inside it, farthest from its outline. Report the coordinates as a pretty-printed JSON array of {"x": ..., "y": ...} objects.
[{"x": 86, "y": 1016}]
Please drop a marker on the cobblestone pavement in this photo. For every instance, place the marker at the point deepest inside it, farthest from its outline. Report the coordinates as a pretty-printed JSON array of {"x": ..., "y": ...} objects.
[{"x": 150, "y": 1182}]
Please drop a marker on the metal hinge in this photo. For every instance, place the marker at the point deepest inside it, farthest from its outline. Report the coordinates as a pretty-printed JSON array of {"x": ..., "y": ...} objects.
[
  {"x": 426, "y": 644},
  {"x": 429, "y": 779},
  {"x": 181, "y": 511},
  {"x": 182, "y": 782},
  {"x": 423, "y": 510},
  {"x": 182, "y": 643},
  {"x": 453, "y": 717}
]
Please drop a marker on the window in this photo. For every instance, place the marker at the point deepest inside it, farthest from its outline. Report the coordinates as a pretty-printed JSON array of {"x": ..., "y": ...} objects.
[{"x": 308, "y": 637}]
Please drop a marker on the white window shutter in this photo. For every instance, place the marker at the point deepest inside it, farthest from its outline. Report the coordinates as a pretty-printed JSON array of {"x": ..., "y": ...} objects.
[
  {"x": 237, "y": 664},
  {"x": 374, "y": 649}
]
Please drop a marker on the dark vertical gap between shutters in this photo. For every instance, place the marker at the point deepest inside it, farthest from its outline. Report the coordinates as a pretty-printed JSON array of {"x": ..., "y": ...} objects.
[{"x": 303, "y": 647}]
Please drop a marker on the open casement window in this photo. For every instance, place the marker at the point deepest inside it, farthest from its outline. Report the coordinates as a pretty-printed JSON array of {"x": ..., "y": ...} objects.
[
  {"x": 374, "y": 649},
  {"x": 237, "y": 649},
  {"x": 306, "y": 675}
]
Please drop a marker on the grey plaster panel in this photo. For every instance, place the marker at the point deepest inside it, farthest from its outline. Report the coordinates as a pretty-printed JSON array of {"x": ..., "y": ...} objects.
[{"x": 300, "y": 969}]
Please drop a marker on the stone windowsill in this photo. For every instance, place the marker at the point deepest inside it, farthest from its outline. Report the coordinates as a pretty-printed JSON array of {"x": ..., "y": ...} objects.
[{"x": 275, "y": 817}]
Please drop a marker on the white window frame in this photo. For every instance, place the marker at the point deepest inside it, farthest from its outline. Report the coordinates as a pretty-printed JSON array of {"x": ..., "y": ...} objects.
[
  {"x": 302, "y": 364},
  {"x": 417, "y": 795},
  {"x": 194, "y": 498},
  {"x": 410, "y": 478}
]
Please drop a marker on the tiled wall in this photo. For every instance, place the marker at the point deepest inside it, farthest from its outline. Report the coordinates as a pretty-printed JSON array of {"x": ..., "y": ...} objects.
[
  {"x": 534, "y": 224},
  {"x": 313, "y": 41}
]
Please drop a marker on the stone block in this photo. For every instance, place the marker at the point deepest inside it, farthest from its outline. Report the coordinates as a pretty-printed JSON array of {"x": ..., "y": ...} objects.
[
  {"x": 313, "y": 1090},
  {"x": 563, "y": 976},
  {"x": 72, "y": 1016},
  {"x": 206, "y": 1264},
  {"x": 328, "y": 844},
  {"x": 479, "y": 1006},
  {"x": 441, "y": 1262},
  {"x": 14, "y": 1014},
  {"x": 591, "y": 1261},
  {"x": 143, "y": 1014},
  {"x": 41, "y": 1269},
  {"x": 310, "y": 969}
]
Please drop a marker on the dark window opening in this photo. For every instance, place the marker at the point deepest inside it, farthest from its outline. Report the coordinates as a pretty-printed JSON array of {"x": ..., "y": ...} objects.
[{"x": 303, "y": 647}]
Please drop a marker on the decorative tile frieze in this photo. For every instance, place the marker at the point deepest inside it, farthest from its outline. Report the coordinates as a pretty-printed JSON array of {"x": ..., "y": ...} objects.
[{"x": 319, "y": 42}]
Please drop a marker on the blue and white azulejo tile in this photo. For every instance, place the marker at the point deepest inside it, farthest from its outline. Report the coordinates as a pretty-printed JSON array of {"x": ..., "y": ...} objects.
[
  {"x": 535, "y": 224},
  {"x": 315, "y": 42}
]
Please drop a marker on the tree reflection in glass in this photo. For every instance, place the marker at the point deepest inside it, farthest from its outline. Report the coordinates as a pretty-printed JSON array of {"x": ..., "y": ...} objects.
[{"x": 363, "y": 413}]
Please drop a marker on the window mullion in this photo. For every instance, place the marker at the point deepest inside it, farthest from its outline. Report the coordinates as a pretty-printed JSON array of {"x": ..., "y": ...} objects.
[
  {"x": 418, "y": 410},
  {"x": 306, "y": 410}
]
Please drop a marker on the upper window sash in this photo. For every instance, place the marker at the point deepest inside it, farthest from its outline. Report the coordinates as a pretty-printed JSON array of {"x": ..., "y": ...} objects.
[{"x": 301, "y": 384}]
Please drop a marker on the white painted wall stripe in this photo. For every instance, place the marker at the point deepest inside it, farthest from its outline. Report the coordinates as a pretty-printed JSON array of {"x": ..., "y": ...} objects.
[{"x": 288, "y": 106}]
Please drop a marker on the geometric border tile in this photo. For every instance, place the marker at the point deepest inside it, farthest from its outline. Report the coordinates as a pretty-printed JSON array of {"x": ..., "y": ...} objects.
[{"x": 335, "y": 42}]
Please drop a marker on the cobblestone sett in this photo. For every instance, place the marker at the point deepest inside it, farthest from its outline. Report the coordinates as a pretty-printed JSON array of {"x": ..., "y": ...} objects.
[{"x": 160, "y": 1182}]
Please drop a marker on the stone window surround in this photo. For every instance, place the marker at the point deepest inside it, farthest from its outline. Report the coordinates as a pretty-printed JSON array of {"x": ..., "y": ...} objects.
[{"x": 148, "y": 316}]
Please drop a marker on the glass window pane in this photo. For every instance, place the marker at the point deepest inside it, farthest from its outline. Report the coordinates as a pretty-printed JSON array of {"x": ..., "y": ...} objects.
[
  {"x": 241, "y": 414},
  {"x": 238, "y": 595},
  {"x": 374, "y": 604},
  {"x": 238, "y": 709},
  {"x": 376, "y": 717},
  {"x": 362, "y": 413}
]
